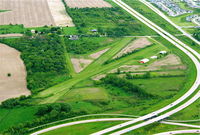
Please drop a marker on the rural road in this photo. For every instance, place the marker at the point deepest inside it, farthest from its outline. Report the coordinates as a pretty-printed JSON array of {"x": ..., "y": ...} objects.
[
  {"x": 100, "y": 120},
  {"x": 183, "y": 47},
  {"x": 197, "y": 131},
  {"x": 168, "y": 20}
]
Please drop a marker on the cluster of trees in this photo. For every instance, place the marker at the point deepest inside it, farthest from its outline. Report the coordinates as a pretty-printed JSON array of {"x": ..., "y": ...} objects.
[
  {"x": 111, "y": 21},
  {"x": 146, "y": 75},
  {"x": 53, "y": 109},
  {"x": 125, "y": 85},
  {"x": 43, "y": 56},
  {"x": 81, "y": 46},
  {"x": 13, "y": 102},
  {"x": 197, "y": 34}
]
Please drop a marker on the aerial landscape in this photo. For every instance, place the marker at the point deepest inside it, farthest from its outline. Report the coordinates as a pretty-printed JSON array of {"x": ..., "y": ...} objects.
[{"x": 99, "y": 67}]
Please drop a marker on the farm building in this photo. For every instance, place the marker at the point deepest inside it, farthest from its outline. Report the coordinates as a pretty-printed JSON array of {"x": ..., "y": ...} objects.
[
  {"x": 163, "y": 52},
  {"x": 73, "y": 37},
  {"x": 144, "y": 61},
  {"x": 94, "y": 30},
  {"x": 154, "y": 57}
]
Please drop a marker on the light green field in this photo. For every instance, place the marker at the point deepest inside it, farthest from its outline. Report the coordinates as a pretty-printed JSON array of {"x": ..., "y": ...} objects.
[
  {"x": 164, "y": 87},
  {"x": 88, "y": 93}
]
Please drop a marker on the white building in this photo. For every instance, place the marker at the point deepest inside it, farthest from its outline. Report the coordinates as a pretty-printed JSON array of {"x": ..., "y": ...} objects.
[{"x": 144, "y": 61}]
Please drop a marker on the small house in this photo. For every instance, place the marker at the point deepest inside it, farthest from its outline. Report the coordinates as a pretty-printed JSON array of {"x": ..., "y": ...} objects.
[
  {"x": 73, "y": 37},
  {"x": 144, "y": 61},
  {"x": 163, "y": 52},
  {"x": 94, "y": 30},
  {"x": 154, "y": 57},
  {"x": 33, "y": 31}
]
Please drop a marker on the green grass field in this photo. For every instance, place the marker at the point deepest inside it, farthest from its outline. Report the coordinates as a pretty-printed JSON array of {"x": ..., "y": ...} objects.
[
  {"x": 82, "y": 129},
  {"x": 88, "y": 93},
  {"x": 163, "y": 87},
  {"x": 12, "y": 117}
]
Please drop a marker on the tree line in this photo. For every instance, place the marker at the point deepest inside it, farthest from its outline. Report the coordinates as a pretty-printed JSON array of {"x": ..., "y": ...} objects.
[{"x": 43, "y": 56}]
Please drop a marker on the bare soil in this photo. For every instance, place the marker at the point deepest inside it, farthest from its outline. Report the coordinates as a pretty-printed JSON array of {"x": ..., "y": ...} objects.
[
  {"x": 136, "y": 44},
  {"x": 80, "y": 64},
  {"x": 10, "y": 35},
  {"x": 34, "y": 13},
  {"x": 98, "y": 54},
  {"x": 11, "y": 63},
  {"x": 87, "y": 3},
  {"x": 59, "y": 14}
]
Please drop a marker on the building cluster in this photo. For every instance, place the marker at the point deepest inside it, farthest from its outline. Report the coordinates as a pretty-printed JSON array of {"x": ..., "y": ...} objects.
[
  {"x": 146, "y": 60},
  {"x": 191, "y": 17},
  {"x": 193, "y": 3},
  {"x": 170, "y": 7}
]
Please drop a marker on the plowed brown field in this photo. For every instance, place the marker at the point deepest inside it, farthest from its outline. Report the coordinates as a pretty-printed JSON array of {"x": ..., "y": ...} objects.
[
  {"x": 87, "y": 3},
  {"x": 10, "y": 62},
  {"x": 34, "y": 13}
]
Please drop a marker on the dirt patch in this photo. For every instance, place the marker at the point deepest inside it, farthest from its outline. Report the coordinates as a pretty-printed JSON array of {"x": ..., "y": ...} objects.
[
  {"x": 15, "y": 85},
  {"x": 31, "y": 13},
  {"x": 98, "y": 54},
  {"x": 10, "y": 35},
  {"x": 170, "y": 59},
  {"x": 59, "y": 14},
  {"x": 136, "y": 44},
  {"x": 87, "y": 3},
  {"x": 80, "y": 64},
  {"x": 98, "y": 77}
]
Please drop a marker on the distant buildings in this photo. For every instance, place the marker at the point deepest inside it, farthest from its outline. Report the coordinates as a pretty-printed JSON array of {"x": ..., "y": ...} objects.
[
  {"x": 193, "y": 3},
  {"x": 170, "y": 7},
  {"x": 194, "y": 18}
]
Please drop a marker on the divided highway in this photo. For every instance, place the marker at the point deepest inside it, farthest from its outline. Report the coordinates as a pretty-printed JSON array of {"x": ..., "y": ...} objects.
[
  {"x": 100, "y": 120},
  {"x": 194, "y": 56}
]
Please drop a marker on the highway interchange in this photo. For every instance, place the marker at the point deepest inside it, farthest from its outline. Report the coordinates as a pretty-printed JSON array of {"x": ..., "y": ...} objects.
[{"x": 193, "y": 93}]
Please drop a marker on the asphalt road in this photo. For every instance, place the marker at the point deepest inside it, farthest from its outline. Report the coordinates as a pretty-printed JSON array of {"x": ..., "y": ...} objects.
[
  {"x": 102, "y": 119},
  {"x": 197, "y": 131},
  {"x": 187, "y": 50}
]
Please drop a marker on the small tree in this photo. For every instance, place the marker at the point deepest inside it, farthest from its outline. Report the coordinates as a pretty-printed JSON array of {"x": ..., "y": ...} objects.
[{"x": 9, "y": 74}]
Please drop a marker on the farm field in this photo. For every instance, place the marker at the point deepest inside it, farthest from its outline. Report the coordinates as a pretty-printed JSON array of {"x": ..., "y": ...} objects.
[
  {"x": 34, "y": 13},
  {"x": 12, "y": 75},
  {"x": 57, "y": 9},
  {"x": 87, "y": 3}
]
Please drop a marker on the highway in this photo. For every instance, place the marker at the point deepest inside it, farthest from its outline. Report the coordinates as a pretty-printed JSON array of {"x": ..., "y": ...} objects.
[
  {"x": 180, "y": 124},
  {"x": 100, "y": 120},
  {"x": 148, "y": 4},
  {"x": 196, "y": 131},
  {"x": 187, "y": 50}
]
